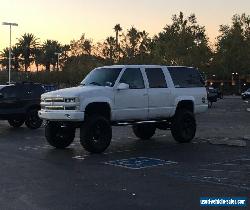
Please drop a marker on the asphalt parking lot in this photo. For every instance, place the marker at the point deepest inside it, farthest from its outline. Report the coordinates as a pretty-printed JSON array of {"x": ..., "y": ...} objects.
[{"x": 216, "y": 164}]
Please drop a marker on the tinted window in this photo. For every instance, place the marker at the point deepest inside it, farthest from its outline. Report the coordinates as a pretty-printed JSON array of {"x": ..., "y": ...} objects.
[
  {"x": 102, "y": 77},
  {"x": 184, "y": 77},
  {"x": 156, "y": 78},
  {"x": 37, "y": 90},
  {"x": 9, "y": 92},
  {"x": 133, "y": 77}
]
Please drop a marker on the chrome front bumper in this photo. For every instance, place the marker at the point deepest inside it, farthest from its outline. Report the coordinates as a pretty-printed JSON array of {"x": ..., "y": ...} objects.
[{"x": 61, "y": 115}]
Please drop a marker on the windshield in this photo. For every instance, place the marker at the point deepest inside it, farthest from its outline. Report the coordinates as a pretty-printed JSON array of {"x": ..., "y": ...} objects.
[{"x": 102, "y": 77}]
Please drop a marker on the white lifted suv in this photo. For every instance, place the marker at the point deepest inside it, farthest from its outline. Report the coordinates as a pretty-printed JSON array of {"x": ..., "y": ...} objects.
[{"x": 144, "y": 96}]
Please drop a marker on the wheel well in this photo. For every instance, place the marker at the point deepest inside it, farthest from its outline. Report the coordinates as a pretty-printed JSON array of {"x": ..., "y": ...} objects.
[
  {"x": 186, "y": 104},
  {"x": 100, "y": 108}
]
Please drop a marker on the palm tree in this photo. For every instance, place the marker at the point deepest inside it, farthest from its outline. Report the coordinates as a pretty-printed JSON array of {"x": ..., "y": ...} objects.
[
  {"x": 49, "y": 48},
  {"x": 5, "y": 58},
  {"x": 27, "y": 43},
  {"x": 38, "y": 56},
  {"x": 16, "y": 52},
  {"x": 117, "y": 29},
  {"x": 109, "y": 48},
  {"x": 133, "y": 36}
]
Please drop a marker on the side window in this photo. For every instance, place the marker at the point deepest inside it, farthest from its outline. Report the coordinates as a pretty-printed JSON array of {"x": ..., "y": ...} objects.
[
  {"x": 24, "y": 91},
  {"x": 156, "y": 78},
  {"x": 184, "y": 77},
  {"x": 9, "y": 92},
  {"x": 133, "y": 77}
]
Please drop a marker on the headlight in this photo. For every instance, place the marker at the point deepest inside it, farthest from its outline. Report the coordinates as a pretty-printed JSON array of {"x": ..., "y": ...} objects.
[{"x": 71, "y": 100}]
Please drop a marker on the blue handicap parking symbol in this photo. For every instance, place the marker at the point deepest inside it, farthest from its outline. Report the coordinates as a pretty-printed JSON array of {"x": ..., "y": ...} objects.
[{"x": 139, "y": 162}]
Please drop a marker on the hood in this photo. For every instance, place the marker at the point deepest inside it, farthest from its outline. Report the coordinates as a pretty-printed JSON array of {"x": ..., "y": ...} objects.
[{"x": 72, "y": 92}]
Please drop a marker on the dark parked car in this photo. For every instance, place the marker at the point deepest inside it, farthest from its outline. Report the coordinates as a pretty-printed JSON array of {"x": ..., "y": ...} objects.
[
  {"x": 20, "y": 103},
  {"x": 246, "y": 94}
]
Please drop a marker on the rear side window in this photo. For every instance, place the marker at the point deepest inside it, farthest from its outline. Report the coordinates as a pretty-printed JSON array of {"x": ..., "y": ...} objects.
[
  {"x": 9, "y": 92},
  {"x": 184, "y": 77},
  {"x": 156, "y": 78},
  {"x": 133, "y": 77}
]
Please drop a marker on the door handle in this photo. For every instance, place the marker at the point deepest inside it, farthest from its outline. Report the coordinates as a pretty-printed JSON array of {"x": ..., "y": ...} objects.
[{"x": 145, "y": 94}]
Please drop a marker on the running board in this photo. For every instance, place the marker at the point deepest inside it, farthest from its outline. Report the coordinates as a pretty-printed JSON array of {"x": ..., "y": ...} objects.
[{"x": 140, "y": 122}]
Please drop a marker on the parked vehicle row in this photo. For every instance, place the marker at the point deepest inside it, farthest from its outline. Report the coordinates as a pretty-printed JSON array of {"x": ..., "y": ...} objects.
[{"x": 148, "y": 97}]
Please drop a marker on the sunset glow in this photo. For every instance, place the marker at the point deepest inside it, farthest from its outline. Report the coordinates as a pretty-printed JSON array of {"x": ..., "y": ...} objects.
[{"x": 65, "y": 20}]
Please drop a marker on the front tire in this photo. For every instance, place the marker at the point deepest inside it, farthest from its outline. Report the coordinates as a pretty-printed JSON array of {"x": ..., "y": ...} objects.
[
  {"x": 33, "y": 121},
  {"x": 59, "y": 136},
  {"x": 183, "y": 126},
  {"x": 16, "y": 123},
  {"x": 96, "y": 134},
  {"x": 145, "y": 131}
]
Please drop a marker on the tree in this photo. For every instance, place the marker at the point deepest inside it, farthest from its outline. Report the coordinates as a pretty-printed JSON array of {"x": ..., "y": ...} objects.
[
  {"x": 49, "y": 48},
  {"x": 38, "y": 56},
  {"x": 27, "y": 43},
  {"x": 5, "y": 58},
  {"x": 233, "y": 47},
  {"x": 81, "y": 46},
  {"x": 117, "y": 29},
  {"x": 184, "y": 42},
  {"x": 16, "y": 52},
  {"x": 135, "y": 44},
  {"x": 87, "y": 46},
  {"x": 109, "y": 49}
]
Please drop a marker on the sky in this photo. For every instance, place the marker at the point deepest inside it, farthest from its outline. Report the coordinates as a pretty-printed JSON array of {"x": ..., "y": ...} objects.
[{"x": 65, "y": 20}]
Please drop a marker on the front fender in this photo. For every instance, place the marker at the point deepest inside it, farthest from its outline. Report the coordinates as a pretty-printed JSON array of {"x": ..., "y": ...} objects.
[{"x": 100, "y": 99}]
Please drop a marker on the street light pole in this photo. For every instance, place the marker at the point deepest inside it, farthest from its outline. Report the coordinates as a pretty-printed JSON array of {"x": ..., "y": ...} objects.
[
  {"x": 10, "y": 24},
  {"x": 58, "y": 55}
]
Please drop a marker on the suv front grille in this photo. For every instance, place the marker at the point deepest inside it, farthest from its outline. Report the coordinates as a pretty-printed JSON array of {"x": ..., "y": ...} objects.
[
  {"x": 60, "y": 108},
  {"x": 54, "y": 100},
  {"x": 58, "y": 104},
  {"x": 54, "y": 107}
]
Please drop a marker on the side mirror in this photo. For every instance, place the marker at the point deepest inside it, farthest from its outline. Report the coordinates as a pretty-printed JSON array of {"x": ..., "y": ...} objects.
[
  {"x": 1, "y": 95},
  {"x": 123, "y": 86}
]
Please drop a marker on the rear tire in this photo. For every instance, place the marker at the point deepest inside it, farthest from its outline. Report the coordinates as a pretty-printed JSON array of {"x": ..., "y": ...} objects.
[
  {"x": 96, "y": 134},
  {"x": 58, "y": 136},
  {"x": 183, "y": 126},
  {"x": 33, "y": 121},
  {"x": 16, "y": 123},
  {"x": 145, "y": 131}
]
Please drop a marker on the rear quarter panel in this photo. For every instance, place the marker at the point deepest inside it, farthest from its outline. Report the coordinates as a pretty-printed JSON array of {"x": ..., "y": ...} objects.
[{"x": 197, "y": 95}]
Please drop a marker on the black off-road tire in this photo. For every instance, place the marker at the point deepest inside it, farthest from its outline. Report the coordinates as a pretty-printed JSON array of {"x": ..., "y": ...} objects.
[
  {"x": 96, "y": 134},
  {"x": 145, "y": 131},
  {"x": 32, "y": 120},
  {"x": 183, "y": 126},
  {"x": 59, "y": 136},
  {"x": 16, "y": 123}
]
